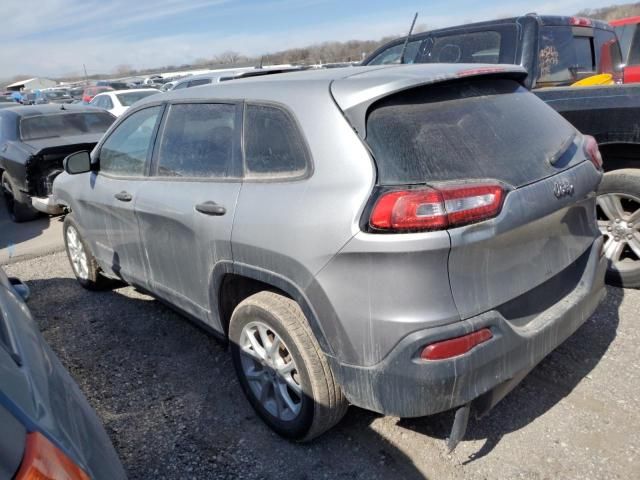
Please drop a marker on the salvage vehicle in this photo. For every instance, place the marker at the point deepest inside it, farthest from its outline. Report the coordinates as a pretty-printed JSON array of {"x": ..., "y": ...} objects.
[
  {"x": 33, "y": 142},
  {"x": 118, "y": 101},
  {"x": 629, "y": 35},
  {"x": 358, "y": 235},
  {"x": 48, "y": 430},
  {"x": 557, "y": 52}
]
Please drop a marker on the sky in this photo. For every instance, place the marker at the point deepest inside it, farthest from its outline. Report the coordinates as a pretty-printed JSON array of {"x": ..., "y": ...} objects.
[{"x": 56, "y": 37}]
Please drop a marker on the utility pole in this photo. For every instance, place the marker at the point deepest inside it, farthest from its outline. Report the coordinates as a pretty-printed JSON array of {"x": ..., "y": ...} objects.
[{"x": 86, "y": 77}]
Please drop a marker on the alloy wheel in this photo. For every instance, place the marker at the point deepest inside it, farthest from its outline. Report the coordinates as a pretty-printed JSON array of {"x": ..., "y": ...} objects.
[
  {"x": 271, "y": 371},
  {"x": 77, "y": 254},
  {"x": 619, "y": 222}
]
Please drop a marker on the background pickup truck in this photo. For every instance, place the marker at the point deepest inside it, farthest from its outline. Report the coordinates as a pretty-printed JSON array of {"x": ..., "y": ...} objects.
[{"x": 557, "y": 52}]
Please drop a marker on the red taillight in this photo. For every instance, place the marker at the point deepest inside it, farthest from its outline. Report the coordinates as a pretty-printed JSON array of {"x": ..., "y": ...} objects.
[
  {"x": 592, "y": 151},
  {"x": 455, "y": 346},
  {"x": 44, "y": 461},
  {"x": 580, "y": 21},
  {"x": 436, "y": 208}
]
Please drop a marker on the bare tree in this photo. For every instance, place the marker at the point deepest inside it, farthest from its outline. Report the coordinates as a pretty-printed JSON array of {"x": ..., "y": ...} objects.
[{"x": 123, "y": 70}]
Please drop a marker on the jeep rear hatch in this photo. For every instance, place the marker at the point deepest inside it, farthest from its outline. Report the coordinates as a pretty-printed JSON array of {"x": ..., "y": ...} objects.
[{"x": 502, "y": 172}]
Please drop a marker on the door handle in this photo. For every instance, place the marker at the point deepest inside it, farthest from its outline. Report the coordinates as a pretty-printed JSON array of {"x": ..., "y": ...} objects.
[
  {"x": 211, "y": 208},
  {"x": 123, "y": 196}
]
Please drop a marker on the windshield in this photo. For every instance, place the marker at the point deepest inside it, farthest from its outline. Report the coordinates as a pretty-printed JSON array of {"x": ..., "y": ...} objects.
[
  {"x": 129, "y": 98},
  {"x": 64, "y": 124},
  {"x": 58, "y": 94},
  {"x": 482, "y": 129}
]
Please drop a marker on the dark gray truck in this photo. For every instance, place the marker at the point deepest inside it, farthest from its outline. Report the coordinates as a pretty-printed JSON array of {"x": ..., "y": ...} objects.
[{"x": 557, "y": 52}]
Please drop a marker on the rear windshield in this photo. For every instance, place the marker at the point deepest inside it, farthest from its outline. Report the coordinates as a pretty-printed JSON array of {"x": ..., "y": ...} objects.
[
  {"x": 64, "y": 124},
  {"x": 129, "y": 98},
  {"x": 481, "y": 129}
]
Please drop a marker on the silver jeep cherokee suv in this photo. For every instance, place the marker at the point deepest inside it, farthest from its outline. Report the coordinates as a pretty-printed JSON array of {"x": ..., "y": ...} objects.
[{"x": 408, "y": 239}]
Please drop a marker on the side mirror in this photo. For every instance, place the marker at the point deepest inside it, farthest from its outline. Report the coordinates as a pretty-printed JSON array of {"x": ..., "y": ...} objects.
[{"x": 79, "y": 162}]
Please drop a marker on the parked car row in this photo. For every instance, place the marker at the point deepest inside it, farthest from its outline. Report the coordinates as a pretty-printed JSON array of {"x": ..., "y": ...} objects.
[{"x": 349, "y": 231}]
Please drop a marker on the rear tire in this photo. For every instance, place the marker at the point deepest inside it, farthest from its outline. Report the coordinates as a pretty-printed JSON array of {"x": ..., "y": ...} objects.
[
  {"x": 83, "y": 263},
  {"x": 18, "y": 203},
  {"x": 311, "y": 401},
  {"x": 619, "y": 221}
]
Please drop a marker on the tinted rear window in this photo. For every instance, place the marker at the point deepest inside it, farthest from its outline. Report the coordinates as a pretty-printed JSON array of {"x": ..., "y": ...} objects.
[
  {"x": 274, "y": 146},
  {"x": 129, "y": 98},
  {"x": 482, "y": 129},
  {"x": 64, "y": 124}
]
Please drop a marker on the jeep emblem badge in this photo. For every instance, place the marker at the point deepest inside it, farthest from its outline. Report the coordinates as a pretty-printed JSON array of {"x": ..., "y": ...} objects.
[{"x": 562, "y": 189}]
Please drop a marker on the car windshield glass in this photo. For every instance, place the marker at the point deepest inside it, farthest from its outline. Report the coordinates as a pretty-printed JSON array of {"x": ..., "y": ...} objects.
[
  {"x": 64, "y": 124},
  {"x": 55, "y": 94},
  {"x": 482, "y": 129},
  {"x": 129, "y": 98}
]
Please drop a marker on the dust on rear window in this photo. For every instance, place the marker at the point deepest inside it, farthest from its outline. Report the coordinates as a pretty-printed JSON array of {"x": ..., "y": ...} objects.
[
  {"x": 476, "y": 129},
  {"x": 64, "y": 124},
  {"x": 129, "y": 98}
]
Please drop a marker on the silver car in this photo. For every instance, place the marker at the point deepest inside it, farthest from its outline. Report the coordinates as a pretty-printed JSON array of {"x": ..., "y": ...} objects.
[{"x": 407, "y": 239}]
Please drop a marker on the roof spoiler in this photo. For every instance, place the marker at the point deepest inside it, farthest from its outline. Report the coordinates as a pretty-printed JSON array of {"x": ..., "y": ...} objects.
[
  {"x": 356, "y": 101},
  {"x": 264, "y": 71}
]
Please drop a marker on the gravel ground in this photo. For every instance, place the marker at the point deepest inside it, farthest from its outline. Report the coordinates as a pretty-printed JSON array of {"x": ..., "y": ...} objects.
[{"x": 169, "y": 399}]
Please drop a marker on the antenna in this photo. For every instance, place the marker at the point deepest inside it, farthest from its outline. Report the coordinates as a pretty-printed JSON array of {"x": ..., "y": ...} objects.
[{"x": 406, "y": 40}]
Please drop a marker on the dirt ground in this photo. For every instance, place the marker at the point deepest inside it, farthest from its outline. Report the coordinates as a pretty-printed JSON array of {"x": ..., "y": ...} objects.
[{"x": 168, "y": 396}]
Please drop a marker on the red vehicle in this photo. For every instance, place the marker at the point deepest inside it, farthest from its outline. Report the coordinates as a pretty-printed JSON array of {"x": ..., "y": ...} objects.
[
  {"x": 91, "y": 92},
  {"x": 628, "y": 31}
]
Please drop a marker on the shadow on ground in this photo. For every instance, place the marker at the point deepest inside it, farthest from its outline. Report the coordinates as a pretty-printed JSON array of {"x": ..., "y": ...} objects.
[{"x": 168, "y": 396}]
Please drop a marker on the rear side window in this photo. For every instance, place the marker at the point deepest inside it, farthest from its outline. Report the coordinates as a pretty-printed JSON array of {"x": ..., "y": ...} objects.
[
  {"x": 198, "y": 141},
  {"x": 200, "y": 81},
  {"x": 473, "y": 47},
  {"x": 634, "y": 51},
  {"x": 607, "y": 50},
  {"x": 129, "y": 98},
  {"x": 482, "y": 129},
  {"x": 625, "y": 34},
  {"x": 274, "y": 146},
  {"x": 64, "y": 124},
  {"x": 564, "y": 58}
]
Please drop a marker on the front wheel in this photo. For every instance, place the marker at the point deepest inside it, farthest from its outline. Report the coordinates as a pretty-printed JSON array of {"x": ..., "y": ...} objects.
[
  {"x": 83, "y": 263},
  {"x": 281, "y": 368},
  {"x": 618, "y": 210}
]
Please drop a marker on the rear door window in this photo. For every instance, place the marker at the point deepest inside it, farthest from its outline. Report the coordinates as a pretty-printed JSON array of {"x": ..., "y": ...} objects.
[
  {"x": 482, "y": 129},
  {"x": 607, "y": 52},
  {"x": 274, "y": 146},
  {"x": 198, "y": 140},
  {"x": 126, "y": 150}
]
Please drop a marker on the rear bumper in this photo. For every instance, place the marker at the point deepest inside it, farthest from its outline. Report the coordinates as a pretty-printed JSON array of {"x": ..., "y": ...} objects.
[
  {"x": 407, "y": 386},
  {"x": 46, "y": 205}
]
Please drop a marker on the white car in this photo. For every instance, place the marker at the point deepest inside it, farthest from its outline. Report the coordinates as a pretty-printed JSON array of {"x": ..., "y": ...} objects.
[{"x": 118, "y": 101}]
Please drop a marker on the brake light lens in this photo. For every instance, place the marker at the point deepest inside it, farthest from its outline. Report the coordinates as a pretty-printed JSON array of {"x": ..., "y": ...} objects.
[
  {"x": 455, "y": 346},
  {"x": 44, "y": 461},
  {"x": 592, "y": 151},
  {"x": 436, "y": 208},
  {"x": 580, "y": 21}
]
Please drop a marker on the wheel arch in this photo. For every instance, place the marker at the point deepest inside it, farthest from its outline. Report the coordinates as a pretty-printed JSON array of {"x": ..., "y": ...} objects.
[{"x": 231, "y": 283}]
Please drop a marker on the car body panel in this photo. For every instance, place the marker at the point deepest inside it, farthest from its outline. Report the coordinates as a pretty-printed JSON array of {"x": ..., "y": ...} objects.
[
  {"x": 363, "y": 292},
  {"x": 39, "y": 393}
]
